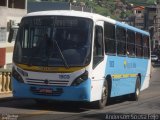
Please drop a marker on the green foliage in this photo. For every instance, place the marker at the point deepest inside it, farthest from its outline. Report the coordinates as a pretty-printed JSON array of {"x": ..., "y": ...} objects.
[
  {"x": 108, "y": 7},
  {"x": 142, "y": 2}
]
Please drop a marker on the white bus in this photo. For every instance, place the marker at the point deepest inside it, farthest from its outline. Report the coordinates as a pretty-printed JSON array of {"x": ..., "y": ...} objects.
[{"x": 79, "y": 56}]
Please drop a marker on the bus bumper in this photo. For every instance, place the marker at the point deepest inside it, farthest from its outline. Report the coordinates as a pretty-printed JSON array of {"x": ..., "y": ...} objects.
[{"x": 67, "y": 93}]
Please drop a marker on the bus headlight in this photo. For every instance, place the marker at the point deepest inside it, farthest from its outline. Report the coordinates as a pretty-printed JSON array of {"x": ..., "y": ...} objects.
[
  {"x": 80, "y": 79},
  {"x": 17, "y": 76},
  {"x": 25, "y": 74}
]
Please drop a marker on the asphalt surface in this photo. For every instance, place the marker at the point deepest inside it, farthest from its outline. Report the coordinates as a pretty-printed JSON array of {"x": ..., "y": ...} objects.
[{"x": 148, "y": 107}]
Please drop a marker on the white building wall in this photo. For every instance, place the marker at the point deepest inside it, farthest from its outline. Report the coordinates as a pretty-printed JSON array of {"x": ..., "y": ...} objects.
[{"x": 7, "y": 14}]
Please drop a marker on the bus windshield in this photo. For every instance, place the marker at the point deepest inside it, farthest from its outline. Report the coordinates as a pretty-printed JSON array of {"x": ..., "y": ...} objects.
[{"x": 53, "y": 41}]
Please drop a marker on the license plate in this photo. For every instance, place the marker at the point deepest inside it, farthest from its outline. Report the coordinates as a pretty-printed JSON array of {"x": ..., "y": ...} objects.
[
  {"x": 46, "y": 91},
  {"x": 41, "y": 90}
]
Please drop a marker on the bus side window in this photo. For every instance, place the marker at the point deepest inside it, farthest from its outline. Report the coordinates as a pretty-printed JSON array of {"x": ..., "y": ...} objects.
[
  {"x": 98, "y": 46},
  {"x": 109, "y": 38},
  {"x": 146, "y": 46},
  {"x": 139, "y": 47},
  {"x": 130, "y": 43},
  {"x": 121, "y": 40}
]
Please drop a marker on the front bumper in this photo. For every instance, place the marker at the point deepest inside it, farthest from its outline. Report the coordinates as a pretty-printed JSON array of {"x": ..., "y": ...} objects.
[{"x": 67, "y": 93}]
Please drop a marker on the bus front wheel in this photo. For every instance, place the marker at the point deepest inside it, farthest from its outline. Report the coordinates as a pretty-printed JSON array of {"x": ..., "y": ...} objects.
[
  {"x": 104, "y": 97},
  {"x": 135, "y": 95}
]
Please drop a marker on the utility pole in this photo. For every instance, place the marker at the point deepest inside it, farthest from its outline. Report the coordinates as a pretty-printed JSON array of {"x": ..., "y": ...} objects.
[
  {"x": 156, "y": 42},
  {"x": 158, "y": 15}
]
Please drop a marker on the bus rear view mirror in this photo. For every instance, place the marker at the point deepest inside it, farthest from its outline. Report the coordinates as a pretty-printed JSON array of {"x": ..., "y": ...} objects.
[
  {"x": 10, "y": 37},
  {"x": 12, "y": 34}
]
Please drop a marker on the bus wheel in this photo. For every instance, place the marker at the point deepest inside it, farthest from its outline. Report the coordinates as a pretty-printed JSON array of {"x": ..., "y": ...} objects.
[
  {"x": 104, "y": 97},
  {"x": 135, "y": 95}
]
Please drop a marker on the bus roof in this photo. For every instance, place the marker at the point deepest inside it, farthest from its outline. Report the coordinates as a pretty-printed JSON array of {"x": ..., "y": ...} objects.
[{"x": 93, "y": 16}]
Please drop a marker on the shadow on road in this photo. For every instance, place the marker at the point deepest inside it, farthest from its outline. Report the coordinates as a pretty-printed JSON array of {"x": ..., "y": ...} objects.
[
  {"x": 73, "y": 107},
  {"x": 30, "y": 104},
  {"x": 95, "y": 116}
]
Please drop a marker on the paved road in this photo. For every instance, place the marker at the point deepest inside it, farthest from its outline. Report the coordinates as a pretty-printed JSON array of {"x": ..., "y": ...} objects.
[{"x": 148, "y": 106}]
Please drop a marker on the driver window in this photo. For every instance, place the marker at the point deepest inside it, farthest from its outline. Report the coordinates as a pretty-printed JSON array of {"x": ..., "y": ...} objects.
[{"x": 98, "y": 53}]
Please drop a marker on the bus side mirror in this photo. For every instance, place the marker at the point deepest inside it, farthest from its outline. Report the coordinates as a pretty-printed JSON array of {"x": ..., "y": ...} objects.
[
  {"x": 12, "y": 34},
  {"x": 10, "y": 37}
]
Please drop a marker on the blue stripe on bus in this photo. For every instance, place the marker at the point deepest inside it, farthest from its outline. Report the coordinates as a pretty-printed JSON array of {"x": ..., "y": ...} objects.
[
  {"x": 70, "y": 93},
  {"x": 131, "y": 28},
  {"x": 125, "y": 65}
]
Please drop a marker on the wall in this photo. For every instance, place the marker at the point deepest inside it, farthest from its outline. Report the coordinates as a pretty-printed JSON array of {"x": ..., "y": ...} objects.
[
  {"x": 2, "y": 56},
  {"x": 8, "y": 14}
]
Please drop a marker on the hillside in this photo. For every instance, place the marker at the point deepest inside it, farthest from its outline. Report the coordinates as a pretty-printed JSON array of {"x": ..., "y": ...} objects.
[
  {"x": 117, "y": 9},
  {"x": 142, "y": 2}
]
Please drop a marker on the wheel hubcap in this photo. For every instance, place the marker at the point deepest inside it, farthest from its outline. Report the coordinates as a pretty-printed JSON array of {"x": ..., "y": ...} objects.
[
  {"x": 137, "y": 91},
  {"x": 104, "y": 94}
]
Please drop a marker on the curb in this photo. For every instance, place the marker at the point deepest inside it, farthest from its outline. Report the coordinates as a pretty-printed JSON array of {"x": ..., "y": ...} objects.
[{"x": 6, "y": 96}]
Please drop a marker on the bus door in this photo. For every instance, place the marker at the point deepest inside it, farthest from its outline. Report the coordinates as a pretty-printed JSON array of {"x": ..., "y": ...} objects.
[{"x": 98, "y": 64}]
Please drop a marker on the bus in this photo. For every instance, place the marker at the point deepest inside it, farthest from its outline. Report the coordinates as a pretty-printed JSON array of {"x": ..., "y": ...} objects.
[{"x": 70, "y": 55}]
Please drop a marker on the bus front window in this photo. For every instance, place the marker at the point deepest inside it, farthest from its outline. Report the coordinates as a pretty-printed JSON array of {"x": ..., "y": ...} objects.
[{"x": 53, "y": 41}]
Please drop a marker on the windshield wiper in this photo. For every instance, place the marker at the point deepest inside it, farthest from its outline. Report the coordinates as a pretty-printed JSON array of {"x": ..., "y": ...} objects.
[{"x": 61, "y": 54}]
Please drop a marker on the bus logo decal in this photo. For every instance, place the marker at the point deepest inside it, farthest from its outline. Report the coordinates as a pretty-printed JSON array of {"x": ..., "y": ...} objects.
[
  {"x": 46, "y": 82},
  {"x": 125, "y": 63},
  {"x": 64, "y": 76}
]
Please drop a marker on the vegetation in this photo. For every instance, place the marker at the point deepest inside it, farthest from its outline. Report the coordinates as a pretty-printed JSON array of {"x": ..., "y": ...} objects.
[
  {"x": 117, "y": 9},
  {"x": 142, "y": 2}
]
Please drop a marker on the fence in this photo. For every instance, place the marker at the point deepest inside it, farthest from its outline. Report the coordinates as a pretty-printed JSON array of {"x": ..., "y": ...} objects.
[{"x": 5, "y": 81}]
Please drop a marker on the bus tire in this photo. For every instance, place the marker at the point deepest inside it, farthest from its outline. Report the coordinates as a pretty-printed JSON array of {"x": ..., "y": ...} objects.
[
  {"x": 104, "y": 97},
  {"x": 135, "y": 95}
]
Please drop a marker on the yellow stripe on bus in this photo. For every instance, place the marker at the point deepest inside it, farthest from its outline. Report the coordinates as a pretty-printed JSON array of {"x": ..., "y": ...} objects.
[
  {"x": 118, "y": 76},
  {"x": 49, "y": 69}
]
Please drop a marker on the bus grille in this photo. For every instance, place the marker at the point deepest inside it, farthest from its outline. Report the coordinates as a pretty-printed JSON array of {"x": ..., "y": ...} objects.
[{"x": 47, "y": 82}]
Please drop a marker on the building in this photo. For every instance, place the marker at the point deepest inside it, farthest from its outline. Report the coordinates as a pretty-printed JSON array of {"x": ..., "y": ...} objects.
[
  {"x": 45, "y": 5},
  {"x": 157, "y": 26},
  {"x": 150, "y": 15},
  {"x": 139, "y": 16},
  {"x": 137, "y": 19},
  {"x": 144, "y": 18},
  {"x": 11, "y": 12}
]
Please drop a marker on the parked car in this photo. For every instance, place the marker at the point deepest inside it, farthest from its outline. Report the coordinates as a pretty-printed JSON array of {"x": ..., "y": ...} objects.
[{"x": 154, "y": 58}]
